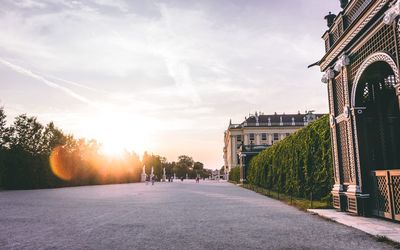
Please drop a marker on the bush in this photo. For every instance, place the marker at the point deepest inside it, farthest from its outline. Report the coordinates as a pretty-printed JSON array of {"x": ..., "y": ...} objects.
[
  {"x": 300, "y": 165},
  {"x": 234, "y": 174}
]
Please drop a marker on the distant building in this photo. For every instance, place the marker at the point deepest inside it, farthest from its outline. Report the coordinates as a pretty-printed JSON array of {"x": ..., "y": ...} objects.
[{"x": 257, "y": 132}]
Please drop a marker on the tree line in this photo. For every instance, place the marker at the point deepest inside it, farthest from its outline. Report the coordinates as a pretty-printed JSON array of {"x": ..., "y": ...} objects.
[
  {"x": 300, "y": 165},
  {"x": 33, "y": 155}
]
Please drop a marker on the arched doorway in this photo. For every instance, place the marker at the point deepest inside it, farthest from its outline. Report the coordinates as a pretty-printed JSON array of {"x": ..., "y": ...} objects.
[{"x": 378, "y": 133}]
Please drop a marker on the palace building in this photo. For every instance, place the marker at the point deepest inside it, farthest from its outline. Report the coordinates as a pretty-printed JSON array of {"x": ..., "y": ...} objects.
[
  {"x": 257, "y": 132},
  {"x": 361, "y": 70}
]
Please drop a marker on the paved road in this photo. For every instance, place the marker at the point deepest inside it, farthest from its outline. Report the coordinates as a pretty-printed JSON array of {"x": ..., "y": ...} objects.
[{"x": 177, "y": 215}]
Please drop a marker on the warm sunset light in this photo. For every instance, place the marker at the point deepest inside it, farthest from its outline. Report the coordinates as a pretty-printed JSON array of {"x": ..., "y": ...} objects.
[
  {"x": 118, "y": 132},
  {"x": 187, "y": 124},
  {"x": 59, "y": 164}
]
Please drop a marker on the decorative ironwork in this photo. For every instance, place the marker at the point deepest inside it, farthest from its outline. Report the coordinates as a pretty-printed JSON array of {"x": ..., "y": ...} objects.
[
  {"x": 396, "y": 193},
  {"x": 365, "y": 138},
  {"x": 352, "y": 204},
  {"x": 335, "y": 35},
  {"x": 382, "y": 194},
  {"x": 380, "y": 56},
  {"x": 339, "y": 95},
  {"x": 387, "y": 193},
  {"x": 357, "y": 9},
  {"x": 383, "y": 40},
  {"x": 390, "y": 82},
  {"x": 331, "y": 56},
  {"x": 336, "y": 201},
  {"x": 344, "y": 151}
]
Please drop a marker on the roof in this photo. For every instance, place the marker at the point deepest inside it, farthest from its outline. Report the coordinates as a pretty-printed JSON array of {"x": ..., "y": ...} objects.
[{"x": 277, "y": 120}]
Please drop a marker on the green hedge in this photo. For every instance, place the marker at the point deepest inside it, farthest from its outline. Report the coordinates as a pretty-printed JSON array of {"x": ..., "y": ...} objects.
[
  {"x": 234, "y": 174},
  {"x": 300, "y": 165}
]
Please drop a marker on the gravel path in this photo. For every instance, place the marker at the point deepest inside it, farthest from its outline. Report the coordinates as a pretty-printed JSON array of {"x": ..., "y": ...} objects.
[{"x": 177, "y": 215}]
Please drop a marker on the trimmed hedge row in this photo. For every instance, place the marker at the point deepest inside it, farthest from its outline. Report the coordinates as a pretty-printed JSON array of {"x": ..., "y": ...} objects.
[
  {"x": 234, "y": 174},
  {"x": 300, "y": 165}
]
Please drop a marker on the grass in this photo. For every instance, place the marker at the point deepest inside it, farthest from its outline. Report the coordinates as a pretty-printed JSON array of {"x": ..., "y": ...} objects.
[
  {"x": 300, "y": 203},
  {"x": 234, "y": 182}
]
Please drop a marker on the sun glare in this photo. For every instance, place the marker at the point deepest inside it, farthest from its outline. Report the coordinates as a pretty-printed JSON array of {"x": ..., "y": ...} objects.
[{"x": 120, "y": 132}]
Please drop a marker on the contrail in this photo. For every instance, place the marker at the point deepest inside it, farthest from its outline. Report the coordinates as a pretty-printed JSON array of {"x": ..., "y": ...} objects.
[
  {"x": 74, "y": 83},
  {"x": 27, "y": 72}
]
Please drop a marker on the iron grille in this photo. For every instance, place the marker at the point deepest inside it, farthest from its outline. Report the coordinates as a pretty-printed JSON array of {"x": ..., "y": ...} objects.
[
  {"x": 382, "y": 40},
  {"x": 382, "y": 194},
  {"x": 352, "y": 205},
  {"x": 390, "y": 82},
  {"x": 336, "y": 201},
  {"x": 396, "y": 193},
  {"x": 357, "y": 9},
  {"x": 339, "y": 95},
  {"x": 335, "y": 35},
  {"x": 344, "y": 151}
]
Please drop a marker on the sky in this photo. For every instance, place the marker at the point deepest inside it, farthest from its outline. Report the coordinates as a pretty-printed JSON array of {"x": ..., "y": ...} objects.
[{"x": 160, "y": 76}]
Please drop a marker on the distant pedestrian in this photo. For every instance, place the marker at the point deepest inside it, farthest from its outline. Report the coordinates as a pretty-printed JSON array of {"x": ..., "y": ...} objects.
[
  {"x": 197, "y": 179},
  {"x": 153, "y": 179}
]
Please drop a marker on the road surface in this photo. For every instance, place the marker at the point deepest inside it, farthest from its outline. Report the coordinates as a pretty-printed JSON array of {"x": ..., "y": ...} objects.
[{"x": 179, "y": 215}]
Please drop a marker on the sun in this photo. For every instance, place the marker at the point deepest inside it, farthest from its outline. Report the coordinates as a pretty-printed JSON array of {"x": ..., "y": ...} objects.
[
  {"x": 119, "y": 132},
  {"x": 112, "y": 149}
]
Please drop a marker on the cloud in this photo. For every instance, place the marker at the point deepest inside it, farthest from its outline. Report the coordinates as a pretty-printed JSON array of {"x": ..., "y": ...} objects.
[
  {"x": 29, "y": 4},
  {"x": 177, "y": 65},
  {"x": 51, "y": 84}
]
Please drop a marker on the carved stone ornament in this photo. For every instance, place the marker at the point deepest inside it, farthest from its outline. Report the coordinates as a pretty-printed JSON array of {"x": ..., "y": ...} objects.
[
  {"x": 332, "y": 120},
  {"x": 392, "y": 13},
  {"x": 343, "y": 60},
  {"x": 329, "y": 74}
]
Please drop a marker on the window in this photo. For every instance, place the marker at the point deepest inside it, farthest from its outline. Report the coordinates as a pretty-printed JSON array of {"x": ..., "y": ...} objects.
[
  {"x": 251, "y": 137},
  {"x": 239, "y": 138},
  {"x": 276, "y": 136},
  {"x": 264, "y": 136}
]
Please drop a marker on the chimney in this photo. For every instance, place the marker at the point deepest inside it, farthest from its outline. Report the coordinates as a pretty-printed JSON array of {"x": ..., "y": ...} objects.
[
  {"x": 343, "y": 3},
  {"x": 329, "y": 19}
]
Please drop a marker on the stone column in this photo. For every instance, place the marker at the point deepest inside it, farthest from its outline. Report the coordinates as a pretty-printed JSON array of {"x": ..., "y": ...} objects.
[{"x": 233, "y": 152}]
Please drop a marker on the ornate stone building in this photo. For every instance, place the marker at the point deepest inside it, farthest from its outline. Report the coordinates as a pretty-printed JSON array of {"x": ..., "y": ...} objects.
[
  {"x": 361, "y": 70},
  {"x": 257, "y": 132}
]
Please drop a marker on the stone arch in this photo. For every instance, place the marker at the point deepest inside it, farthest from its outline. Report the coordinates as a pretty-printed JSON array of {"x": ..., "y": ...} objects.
[{"x": 376, "y": 57}]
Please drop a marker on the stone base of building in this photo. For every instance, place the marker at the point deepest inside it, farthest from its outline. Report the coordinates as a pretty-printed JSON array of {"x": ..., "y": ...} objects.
[
  {"x": 358, "y": 204},
  {"x": 354, "y": 203}
]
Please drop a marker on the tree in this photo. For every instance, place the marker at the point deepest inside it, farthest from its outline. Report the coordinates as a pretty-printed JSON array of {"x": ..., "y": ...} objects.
[
  {"x": 27, "y": 134},
  {"x": 52, "y": 137},
  {"x": 198, "y": 166},
  {"x": 3, "y": 128},
  {"x": 3, "y": 140},
  {"x": 184, "y": 165}
]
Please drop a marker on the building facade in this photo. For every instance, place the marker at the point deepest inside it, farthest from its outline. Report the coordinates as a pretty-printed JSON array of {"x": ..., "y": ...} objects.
[
  {"x": 257, "y": 132},
  {"x": 361, "y": 70}
]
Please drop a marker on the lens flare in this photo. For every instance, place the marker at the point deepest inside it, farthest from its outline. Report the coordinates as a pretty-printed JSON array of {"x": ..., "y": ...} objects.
[{"x": 59, "y": 165}]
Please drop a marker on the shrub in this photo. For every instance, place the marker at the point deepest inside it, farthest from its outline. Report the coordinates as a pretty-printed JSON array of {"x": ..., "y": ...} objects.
[
  {"x": 300, "y": 165},
  {"x": 234, "y": 174}
]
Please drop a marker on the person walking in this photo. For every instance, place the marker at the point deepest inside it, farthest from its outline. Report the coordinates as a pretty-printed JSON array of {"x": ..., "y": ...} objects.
[{"x": 153, "y": 179}]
